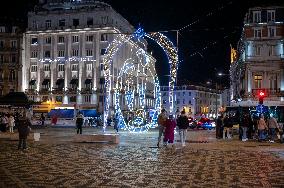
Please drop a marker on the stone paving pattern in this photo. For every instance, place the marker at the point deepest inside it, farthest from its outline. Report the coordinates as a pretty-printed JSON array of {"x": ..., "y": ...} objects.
[{"x": 55, "y": 161}]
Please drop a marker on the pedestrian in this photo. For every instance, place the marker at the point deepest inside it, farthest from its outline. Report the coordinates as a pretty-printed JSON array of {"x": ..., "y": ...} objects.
[
  {"x": 161, "y": 124},
  {"x": 219, "y": 125},
  {"x": 227, "y": 125},
  {"x": 23, "y": 130},
  {"x": 79, "y": 122},
  {"x": 169, "y": 134},
  {"x": 11, "y": 123},
  {"x": 245, "y": 125},
  {"x": 272, "y": 125},
  {"x": 115, "y": 124},
  {"x": 182, "y": 123},
  {"x": 42, "y": 118},
  {"x": 261, "y": 126}
]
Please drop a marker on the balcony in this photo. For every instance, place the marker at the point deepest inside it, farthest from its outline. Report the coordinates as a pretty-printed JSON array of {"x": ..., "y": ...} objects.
[
  {"x": 268, "y": 92},
  {"x": 31, "y": 91},
  {"x": 72, "y": 91},
  {"x": 86, "y": 91},
  {"x": 57, "y": 91},
  {"x": 44, "y": 91}
]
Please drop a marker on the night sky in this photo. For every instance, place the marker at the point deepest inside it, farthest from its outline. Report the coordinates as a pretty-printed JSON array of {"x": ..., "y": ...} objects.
[{"x": 204, "y": 46}]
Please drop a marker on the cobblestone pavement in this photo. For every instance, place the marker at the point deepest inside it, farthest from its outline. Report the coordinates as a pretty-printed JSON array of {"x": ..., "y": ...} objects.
[{"x": 55, "y": 161}]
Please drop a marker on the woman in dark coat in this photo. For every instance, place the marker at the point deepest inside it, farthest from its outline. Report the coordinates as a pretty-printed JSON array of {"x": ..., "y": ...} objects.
[{"x": 24, "y": 130}]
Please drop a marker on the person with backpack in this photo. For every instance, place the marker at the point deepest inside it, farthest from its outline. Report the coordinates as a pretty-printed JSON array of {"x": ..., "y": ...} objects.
[
  {"x": 182, "y": 124},
  {"x": 24, "y": 128},
  {"x": 79, "y": 122}
]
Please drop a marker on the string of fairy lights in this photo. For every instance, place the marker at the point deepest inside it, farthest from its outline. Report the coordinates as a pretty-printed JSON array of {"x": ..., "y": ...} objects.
[{"x": 139, "y": 123}]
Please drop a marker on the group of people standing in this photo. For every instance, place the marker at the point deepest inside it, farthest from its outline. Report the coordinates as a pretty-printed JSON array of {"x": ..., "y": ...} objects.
[
  {"x": 7, "y": 121},
  {"x": 249, "y": 128},
  {"x": 167, "y": 125}
]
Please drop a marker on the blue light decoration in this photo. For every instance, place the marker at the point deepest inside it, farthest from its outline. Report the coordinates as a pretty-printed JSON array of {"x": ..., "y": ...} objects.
[{"x": 143, "y": 119}]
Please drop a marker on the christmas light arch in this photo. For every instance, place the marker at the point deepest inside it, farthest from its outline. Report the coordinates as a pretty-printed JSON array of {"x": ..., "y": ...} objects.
[{"x": 138, "y": 124}]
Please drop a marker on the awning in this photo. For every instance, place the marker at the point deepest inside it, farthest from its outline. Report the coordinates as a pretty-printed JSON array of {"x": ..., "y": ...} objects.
[
  {"x": 88, "y": 81},
  {"x": 32, "y": 82},
  {"x": 74, "y": 81},
  {"x": 60, "y": 81},
  {"x": 46, "y": 82}
]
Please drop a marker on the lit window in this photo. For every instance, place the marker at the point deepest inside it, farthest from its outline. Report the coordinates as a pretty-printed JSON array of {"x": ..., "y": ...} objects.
[
  {"x": 271, "y": 32},
  {"x": 257, "y": 33},
  {"x": 61, "y": 67},
  {"x": 257, "y": 81},
  {"x": 34, "y": 41}
]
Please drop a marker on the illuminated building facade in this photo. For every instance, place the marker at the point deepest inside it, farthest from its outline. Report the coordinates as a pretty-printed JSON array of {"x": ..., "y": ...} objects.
[
  {"x": 64, "y": 47},
  {"x": 259, "y": 65}
]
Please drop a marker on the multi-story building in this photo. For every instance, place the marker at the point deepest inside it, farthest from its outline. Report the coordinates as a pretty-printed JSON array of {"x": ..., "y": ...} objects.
[
  {"x": 10, "y": 49},
  {"x": 195, "y": 100},
  {"x": 64, "y": 47},
  {"x": 259, "y": 64}
]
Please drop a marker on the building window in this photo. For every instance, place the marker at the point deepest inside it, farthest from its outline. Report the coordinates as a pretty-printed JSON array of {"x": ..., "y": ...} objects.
[
  {"x": 102, "y": 66},
  {"x": 34, "y": 54},
  {"x": 13, "y": 44},
  {"x": 257, "y": 50},
  {"x": 256, "y": 16},
  {"x": 34, "y": 24},
  {"x": 89, "y": 21},
  {"x": 61, "y": 23},
  {"x": 34, "y": 41},
  {"x": 271, "y": 16},
  {"x": 271, "y": 50},
  {"x": 271, "y": 32},
  {"x": 12, "y": 75},
  {"x": 46, "y": 67},
  {"x": 58, "y": 98},
  {"x": 47, "y": 23},
  {"x": 75, "y": 52},
  {"x": 61, "y": 39},
  {"x": 13, "y": 58},
  {"x": 103, "y": 51},
  {"x": 72, "y": 98},
  {"x": 74, "y": 67},
  {"x": 273, "y": 82},
  {"x": 47, "y": 54},
  {"x": 89, "y": 52},
  {"x": 61, "y": 53},
  {"x": 257, "y": 33},
  {"x": 89, "y": 67},
  {"x": 103, "y": 37},
  {"x": 2, "y": 29},
  {"x": 1, "y": 43},
  {"x": 48, "y": 40},
  {"x": 257, "y": 81},
  {"x": 87, "y": 98},
  {"x": 61, "y": 67},
  {"x": 75, "y": 38},
  {"x": 75, "y": 22},
  {"x": 34, "y": 68},
  {"x": 89, "y": 38}
]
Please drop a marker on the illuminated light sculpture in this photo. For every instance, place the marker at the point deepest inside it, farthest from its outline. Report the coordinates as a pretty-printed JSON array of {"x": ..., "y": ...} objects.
[{"x": 125, "y": 84}]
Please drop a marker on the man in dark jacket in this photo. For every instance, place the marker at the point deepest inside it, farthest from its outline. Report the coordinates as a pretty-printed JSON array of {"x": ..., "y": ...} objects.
[
  {"x": 23, "y": 130},
  {"x": 219, "y": 127},
  {"x": 182, "y": 123}
]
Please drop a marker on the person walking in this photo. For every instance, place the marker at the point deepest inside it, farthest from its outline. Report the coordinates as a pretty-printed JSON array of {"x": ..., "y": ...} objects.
[
  {"x": 11, "y": 123},
  {"x": 219, "y": 125},
  {"x": 161, "y": 124},
  {"x": 42, "y": 118},
  {"x": 79, "y": 122},
  {"x": 182, "y": 124},
  {"x": 226, "y": 131},
  {"x": 261, "y": 126},
  {"x": 115, "y": 124},
  {"x": 272, "y": 125},
  {"x": 169, "y": 134},
  {"x": 245, "y": 125},
  {"x": 23, "y": 130}
]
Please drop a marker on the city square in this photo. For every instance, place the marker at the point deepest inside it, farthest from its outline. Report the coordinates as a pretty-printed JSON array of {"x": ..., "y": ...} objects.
[{"x": 56, "y": 161}]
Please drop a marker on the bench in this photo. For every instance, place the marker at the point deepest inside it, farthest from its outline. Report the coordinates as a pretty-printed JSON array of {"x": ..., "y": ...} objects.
[
  {"x": 15, "y": 136},
  {"x": 113, "y": 138}
]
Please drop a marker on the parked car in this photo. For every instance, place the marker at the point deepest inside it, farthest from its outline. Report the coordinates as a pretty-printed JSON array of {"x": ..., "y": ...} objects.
[{"x": 206, "y": 123}]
